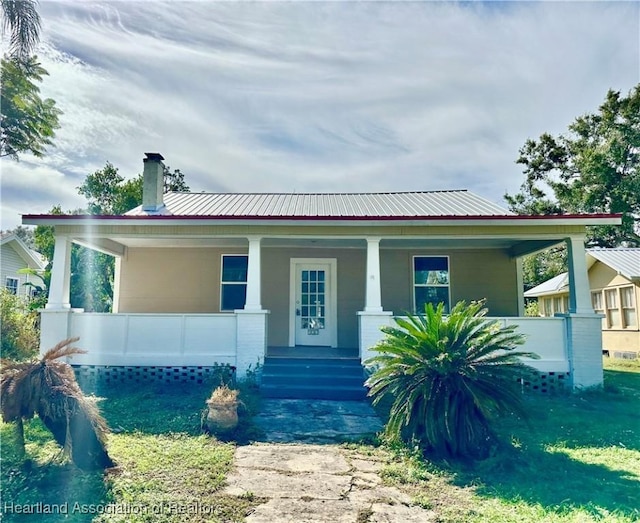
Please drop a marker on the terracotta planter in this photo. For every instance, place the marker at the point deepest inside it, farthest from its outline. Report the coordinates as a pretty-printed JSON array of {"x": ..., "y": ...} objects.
[{"x": 222, "y": 415}]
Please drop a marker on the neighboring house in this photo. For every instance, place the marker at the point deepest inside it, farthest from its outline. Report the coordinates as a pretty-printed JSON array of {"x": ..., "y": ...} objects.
[
  {"x": 614, "y": 282},
  {"x": 204, "y": 279},
  {"x": 15, "y": 256}
]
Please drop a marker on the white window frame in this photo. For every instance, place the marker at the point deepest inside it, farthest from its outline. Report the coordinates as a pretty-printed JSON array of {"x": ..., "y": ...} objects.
[
  {"x": 414, "y": 284},
  {"x": 613, "y": 291},
  {"x": 223, "y": 283},
  {"x": 631, "y": 307},
  {"x": 14, "y": 288}
]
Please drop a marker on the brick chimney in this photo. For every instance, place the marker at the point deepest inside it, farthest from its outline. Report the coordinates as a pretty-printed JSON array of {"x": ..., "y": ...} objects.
[{"x": 152, "y": 182}]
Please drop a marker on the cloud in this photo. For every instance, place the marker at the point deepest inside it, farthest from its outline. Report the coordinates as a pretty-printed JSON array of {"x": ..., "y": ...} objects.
[{"x": 351, "y": 96}]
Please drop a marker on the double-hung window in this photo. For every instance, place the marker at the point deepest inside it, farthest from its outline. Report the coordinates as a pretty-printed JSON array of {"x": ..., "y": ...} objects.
[
  {"x": 233, "y": 282},
  {"x": 11, "y": 285},
  {"x": 613, "y": 311},
  {"x": 627, "y": 300},
  {"x": 430, "y": 281}
]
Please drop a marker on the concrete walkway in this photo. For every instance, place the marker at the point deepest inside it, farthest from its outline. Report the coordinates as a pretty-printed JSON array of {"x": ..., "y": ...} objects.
[
  {"x": 318, "y": 483},
  {"x": 316, "y": 421}
]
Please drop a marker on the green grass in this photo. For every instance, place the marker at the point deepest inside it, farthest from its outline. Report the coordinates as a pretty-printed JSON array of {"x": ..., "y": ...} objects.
[
  {"x": 579, "y": 461},
  {"x": 167, "y": 470}
]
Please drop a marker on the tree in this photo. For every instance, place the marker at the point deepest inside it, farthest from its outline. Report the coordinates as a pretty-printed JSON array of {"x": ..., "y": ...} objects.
[
  {"x": 20, "y": 337},
  {"x": 594, "y": 168},
  {"x": 107, "y": 192},
  {"x": 27, "y": 122},
  {"x": 21, "y": 19},
  {"x": 92, "y": 273},
  {"x": 448, "y": 377}
]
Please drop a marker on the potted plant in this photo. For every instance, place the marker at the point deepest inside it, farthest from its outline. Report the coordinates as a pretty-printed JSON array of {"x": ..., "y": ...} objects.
[{"x": 222, "y": 414}]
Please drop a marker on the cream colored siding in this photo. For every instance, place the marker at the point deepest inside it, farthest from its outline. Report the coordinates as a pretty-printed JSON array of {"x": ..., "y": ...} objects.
[
  {"x": 171, "y": 280},
  {"x": 474, "y": 275}
]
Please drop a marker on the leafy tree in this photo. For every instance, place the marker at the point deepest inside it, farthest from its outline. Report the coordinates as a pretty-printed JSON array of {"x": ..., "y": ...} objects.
[
  {"x": 107, "y": 192},
  {"x": 593, "y": 168},
  {"x": 173, "y": 181},
  {"x": 449, "y": 377},
  {"x": 540, "y": 267},
  {"x": 21, "y": 19},
  {"x": 92, "y": 273},
  {"x": 27, "y": 122},
  {"x": 18, "y": 325}
]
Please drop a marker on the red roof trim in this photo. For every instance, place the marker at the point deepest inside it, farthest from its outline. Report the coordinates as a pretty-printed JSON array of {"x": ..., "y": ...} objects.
[{"x": 160, "y": 217}]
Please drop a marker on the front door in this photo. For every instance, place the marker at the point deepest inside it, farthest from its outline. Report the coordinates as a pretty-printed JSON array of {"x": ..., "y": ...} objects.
[{"x": 314, "y": 315}]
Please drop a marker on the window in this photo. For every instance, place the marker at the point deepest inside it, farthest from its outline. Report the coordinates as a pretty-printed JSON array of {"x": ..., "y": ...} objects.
[
  {"x": 430, "y": 281},
  {"x": 233, "y": 283},
  {"x": 613, "y": 312},
  {"x": 12, "y": 285},
  {"x": 628, "y": 307},
  {"x": 557, "y": 305},
  {"x": 547, "y": 309},
  {"x": 596, "y": 302}
]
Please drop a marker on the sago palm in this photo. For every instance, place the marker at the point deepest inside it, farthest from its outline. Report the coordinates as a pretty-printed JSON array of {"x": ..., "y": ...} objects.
[{"x": 448, "y": 377}]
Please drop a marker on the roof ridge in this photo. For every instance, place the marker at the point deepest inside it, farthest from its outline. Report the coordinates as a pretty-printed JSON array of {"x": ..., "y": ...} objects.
[{"x": 317, "y": 193}]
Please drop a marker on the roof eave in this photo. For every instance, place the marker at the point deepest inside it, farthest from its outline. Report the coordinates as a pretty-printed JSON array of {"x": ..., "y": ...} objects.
[{"x": 585, "y": 220}]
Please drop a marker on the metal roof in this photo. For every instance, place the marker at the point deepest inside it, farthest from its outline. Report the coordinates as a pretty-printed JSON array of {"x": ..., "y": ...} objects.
[
  {"x": 625, "y": 261},
  {"x": 555, "y": 285},
  {"x": 326, "y": 205}
]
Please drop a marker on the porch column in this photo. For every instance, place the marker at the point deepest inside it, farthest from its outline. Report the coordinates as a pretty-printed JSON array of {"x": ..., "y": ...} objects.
[
  {"x": 253, "y": 302},
  {"x": 520, "y": 286},
  {"x": 579, "y": 294},
  {"x": 373, "y": 297},
  {"x": 60, "y": 275}
]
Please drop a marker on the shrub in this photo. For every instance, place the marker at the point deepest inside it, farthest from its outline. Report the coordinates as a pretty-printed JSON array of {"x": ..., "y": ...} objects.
[
  {"x": 19, "y": 332},
  {"x": 448, "y": 377}
]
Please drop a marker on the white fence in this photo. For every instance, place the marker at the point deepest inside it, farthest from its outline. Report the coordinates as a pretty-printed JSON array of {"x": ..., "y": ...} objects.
[{"x": 154, "y": 339}]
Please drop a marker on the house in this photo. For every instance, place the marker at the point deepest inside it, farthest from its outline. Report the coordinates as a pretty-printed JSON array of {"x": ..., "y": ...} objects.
[
  {"x": 204, "y": 279},
  {"x": 14, "y": 257},
  {"x": 614, "y": 283}
]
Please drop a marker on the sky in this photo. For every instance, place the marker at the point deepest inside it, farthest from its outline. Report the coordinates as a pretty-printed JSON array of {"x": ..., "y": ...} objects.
[{"x": 316, "y": 96}]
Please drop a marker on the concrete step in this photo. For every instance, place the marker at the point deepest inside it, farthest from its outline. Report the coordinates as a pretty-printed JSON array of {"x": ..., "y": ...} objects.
[
  {"x": 320, "y": 380},
  {"x": 313, "y": 392},
  {"x": 313, "y": 378}
]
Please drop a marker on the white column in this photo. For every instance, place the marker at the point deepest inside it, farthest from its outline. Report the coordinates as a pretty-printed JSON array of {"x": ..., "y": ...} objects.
[
  {"x": 60, "y": 275},
  {"x": 579, "y": 294},
  {"x": 373, "y": 299},
  {"x": 520, "y": 286},
  {"x": 253, "y": 302}
]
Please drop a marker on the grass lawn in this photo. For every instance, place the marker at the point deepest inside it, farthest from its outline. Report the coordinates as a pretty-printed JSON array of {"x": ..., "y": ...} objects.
[
  {"x": 168, "y": 471},
  {"x": 579, "y": 461}
]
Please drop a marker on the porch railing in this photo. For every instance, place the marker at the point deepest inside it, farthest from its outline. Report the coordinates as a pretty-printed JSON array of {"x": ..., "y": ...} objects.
[{"x": 154, "y": 339}]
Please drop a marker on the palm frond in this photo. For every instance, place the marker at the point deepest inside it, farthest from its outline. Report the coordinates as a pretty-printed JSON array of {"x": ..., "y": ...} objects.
[{"x": 449, "y": 376}]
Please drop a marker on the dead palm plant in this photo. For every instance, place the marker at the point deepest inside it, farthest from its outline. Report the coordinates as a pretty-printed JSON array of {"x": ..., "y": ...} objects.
[{"x": 49, "y": 388}]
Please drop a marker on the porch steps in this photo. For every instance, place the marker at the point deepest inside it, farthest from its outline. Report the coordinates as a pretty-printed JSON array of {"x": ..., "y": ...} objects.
[{"x": 313, "y": 378}]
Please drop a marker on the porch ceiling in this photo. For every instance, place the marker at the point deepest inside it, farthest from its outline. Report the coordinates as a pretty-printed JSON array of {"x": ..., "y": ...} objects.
[{"x": 517, "y": 246}]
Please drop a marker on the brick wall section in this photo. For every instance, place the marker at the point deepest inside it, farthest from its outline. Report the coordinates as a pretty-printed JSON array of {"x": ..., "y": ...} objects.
[
  {"x": 584, "y": 340},
  {"x": 251, "y": 340},
  {"x": 369, "y": 324}
]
